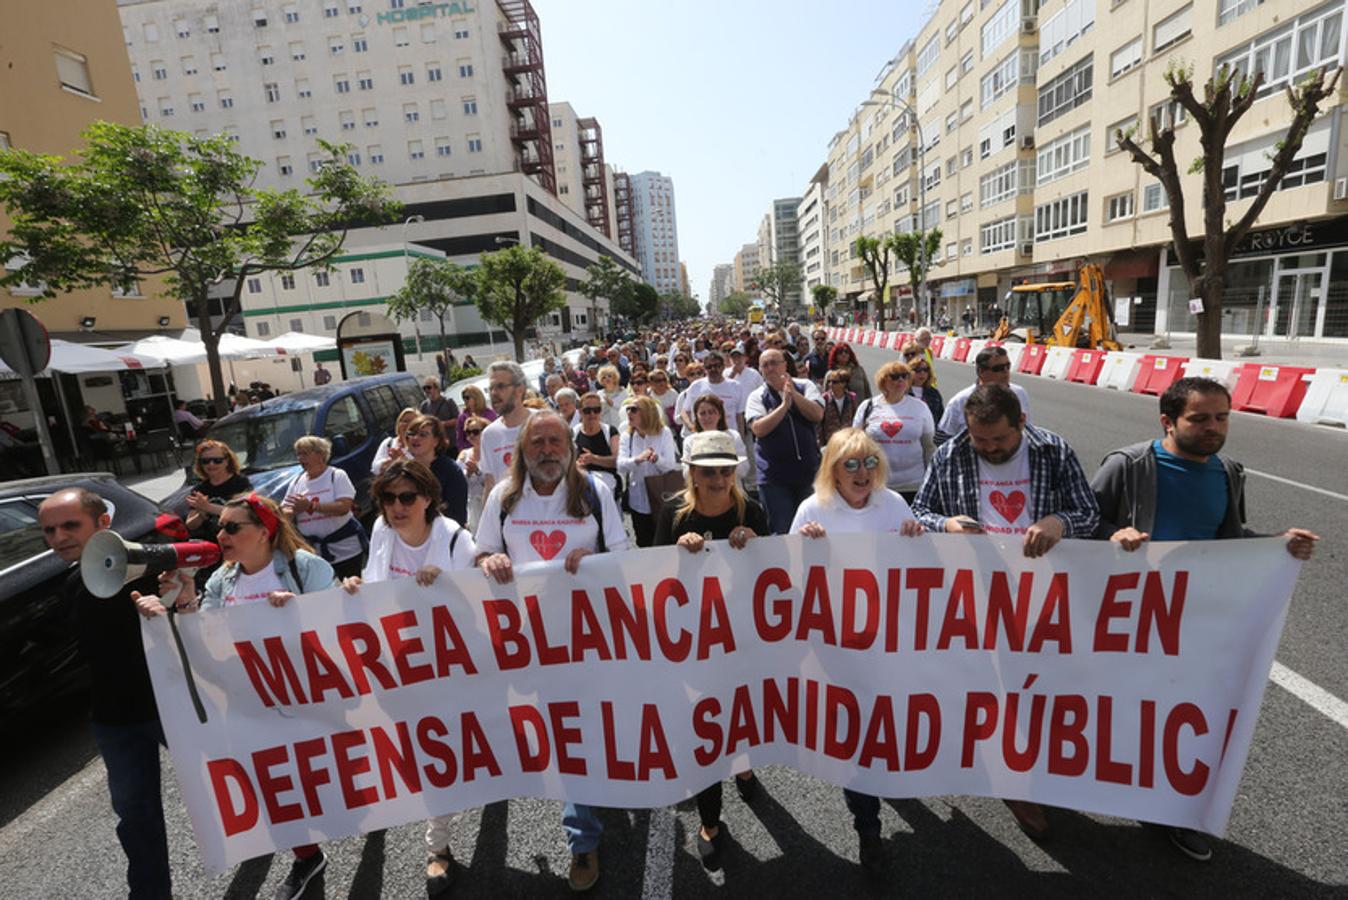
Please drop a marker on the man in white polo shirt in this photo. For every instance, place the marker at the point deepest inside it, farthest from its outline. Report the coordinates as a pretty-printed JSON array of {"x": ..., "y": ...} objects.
[
  {"x": 546, "y": 509},
  {"x": 506, "y": 384},
  {"x": 732, "y": 394},
  {"x": 992, "y": 366}
]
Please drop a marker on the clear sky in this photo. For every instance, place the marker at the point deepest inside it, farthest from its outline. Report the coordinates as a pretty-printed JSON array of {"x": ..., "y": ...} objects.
[{"x": 736, "y": 100}]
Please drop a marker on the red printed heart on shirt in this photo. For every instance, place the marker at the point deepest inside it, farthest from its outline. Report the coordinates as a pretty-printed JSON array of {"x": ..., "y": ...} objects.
[
  {"x": 548, "y": 544},
  {"x": 508, "y": 457},
  {"x": 1009, "y": 505},
  {"x": 891, "y": 428}
]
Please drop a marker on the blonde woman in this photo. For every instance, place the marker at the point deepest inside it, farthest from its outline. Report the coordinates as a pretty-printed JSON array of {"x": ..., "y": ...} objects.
[
  {"x": 394, "y": 447},
  {"x": 474, "y": 404},
  {"x": 646, "y": 448},
  {"x": 320, "y": 502},
  {"x": 220, "y": 480},
  {"x": 901, "y": 425},
  {"x": 470, "y": 461},
  {"x": 613, "y": 394}
]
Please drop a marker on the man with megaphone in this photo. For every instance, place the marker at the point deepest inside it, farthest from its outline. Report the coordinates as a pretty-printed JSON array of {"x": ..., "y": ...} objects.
[{"x": 122, "y": 704}]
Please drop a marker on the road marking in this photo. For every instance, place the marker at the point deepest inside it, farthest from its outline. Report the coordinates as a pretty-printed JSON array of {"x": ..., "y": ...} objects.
[
  {"x": 657, "y": 883},
  {"x": 1310, "y": 693},
  {"x": 1309, "y": 487}
]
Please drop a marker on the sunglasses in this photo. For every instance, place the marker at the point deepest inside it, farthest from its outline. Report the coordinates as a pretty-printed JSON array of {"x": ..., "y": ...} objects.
[
  {"x": 899, "y": 376},
  {"x": 639, "y": 381},
  {"x": 406, "y": 498},
  {"x": 232, "y": 528},
  {"x": 853, "y": 464},
  {"x": 921, "y": 368},
  {"x": 212, "y": 460},
  {"x": 722, "y": 471},
  {"x": 592, "y": 410},
  {"x": 428, "y": 388},
  {"x": 633, "y": 409},
  {"x": 472, "y": 432},
  {"x": 1000, "y": 367},
  {"x": 659, "y": 380}
]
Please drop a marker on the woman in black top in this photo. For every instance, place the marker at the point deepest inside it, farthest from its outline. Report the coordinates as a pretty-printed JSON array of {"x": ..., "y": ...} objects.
[
  {"x": 221, "y": 481},
  {"x": 427, "y": 444},
  {"x": 711, "y": 508},
  {"x": 597, "y": 444},
  {"x": 921, "y": 386}
]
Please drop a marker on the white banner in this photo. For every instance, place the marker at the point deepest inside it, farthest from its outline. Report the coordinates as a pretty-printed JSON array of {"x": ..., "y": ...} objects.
[{"x": 1094, "y": 679}]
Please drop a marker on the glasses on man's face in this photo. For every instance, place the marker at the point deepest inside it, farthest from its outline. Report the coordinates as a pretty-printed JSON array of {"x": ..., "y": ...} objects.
[
  {"x": 854, "y": 464},
  {"x": 428, "y": 388},
  {"x": 591, "y": 410},
  {"x": 999, "y": 367},
  {"x": 472, "y": 432},
  {"x": 212, "y": 460},
  {"x": 406, "y": 498},
  {"x": 232, "y": 528}
]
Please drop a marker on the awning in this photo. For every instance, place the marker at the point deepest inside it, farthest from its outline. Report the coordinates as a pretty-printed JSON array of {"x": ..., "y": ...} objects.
[
  {"x": 73, "y": 358},
  {"x": 299, "y": 342},
  {"x": 1133, "y": 264},
  {"x": 184, "y": 352}
]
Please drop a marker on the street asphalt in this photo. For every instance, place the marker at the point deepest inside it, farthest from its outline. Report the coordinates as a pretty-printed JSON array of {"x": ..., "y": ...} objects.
[{"x": 1286, "y": 837}]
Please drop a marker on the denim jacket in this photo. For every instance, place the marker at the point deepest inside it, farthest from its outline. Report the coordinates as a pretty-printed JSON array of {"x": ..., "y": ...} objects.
[{"x": 315, "y": 575}]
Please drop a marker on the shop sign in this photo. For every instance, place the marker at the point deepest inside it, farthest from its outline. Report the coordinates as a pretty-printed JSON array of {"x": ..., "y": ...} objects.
[{"x": 960, "y": 288}]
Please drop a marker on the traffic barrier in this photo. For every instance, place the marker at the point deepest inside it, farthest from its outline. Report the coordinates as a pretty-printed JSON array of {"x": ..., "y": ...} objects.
[
  {"x": 901, "y": 339},
  {"x": 1086, "y": 366},
  {"x": 1272, "y": 390},
  {"x": 1120, "y": 370},
  {"x": 1158, "y": 373},
  {"x": 961, "y": 351},
  {"x": 948, "y": 346},
  {"x": 936, "y": 346},
  {"x": 1014, "y": 351},
  {"x": 1056, "y": 361},
  {"x": 871, "y": 338},
  {"x": 975, "y": 347},
  {"x": 1326, "y": 400},
  {"x": 1221, "y": 370},
  {"x": 1032, "y": 360}
]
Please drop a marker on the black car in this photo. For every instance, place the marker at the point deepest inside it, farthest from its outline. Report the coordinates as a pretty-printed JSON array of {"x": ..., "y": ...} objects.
[{"x": 39, "y": 658}]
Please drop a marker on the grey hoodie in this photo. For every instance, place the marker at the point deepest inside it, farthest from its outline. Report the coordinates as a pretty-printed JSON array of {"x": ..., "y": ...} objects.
[{"x": 1125, "y": 489}]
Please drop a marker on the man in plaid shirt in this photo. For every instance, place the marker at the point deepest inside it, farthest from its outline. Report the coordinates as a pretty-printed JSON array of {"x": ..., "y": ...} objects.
[{"x": 1003, "y": 477}]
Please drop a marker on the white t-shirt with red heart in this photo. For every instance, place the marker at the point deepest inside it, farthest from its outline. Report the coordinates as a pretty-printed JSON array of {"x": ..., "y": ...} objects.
[
  {"x": 1004, "y": 498},
  {"x": 899, "y": 429},
  {"x": 498, "y": 448},
  {"x": 539, "y": 529},
  {"x": 254, "y": 588}
]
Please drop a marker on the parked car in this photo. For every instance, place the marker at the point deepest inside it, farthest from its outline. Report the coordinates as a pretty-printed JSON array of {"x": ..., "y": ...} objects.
[
  {"x": 356, "y": 415},
  {"x": 532, "y": 369},
  {"x": 39, "y": 657}
]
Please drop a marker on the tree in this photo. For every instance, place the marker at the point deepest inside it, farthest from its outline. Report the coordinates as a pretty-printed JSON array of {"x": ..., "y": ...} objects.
[
  {"x": 776, "y": 281},
  {"x": 434, "y": 285},
  {"x": 680, "y": 306},
  {"x": 141, "y": 201},
  {"x": 517, "y": 286},
  {"x": 824, "y": 295},
  {"x": 1227, "y": 97},
  {"x": 736, "y": 304},
  {"x": 908, "y": 251},
  {"x": 609, "y": 281},
  {"x": 875, "y": 256},
  {"x": 640, "y": 302}
]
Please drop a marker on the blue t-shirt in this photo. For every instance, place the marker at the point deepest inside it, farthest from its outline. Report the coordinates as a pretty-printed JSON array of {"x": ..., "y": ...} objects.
[{"x": 1191, "y": 497}]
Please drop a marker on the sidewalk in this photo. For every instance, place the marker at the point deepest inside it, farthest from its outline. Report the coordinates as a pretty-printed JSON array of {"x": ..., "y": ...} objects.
[{"x": 1299, "y": 352}]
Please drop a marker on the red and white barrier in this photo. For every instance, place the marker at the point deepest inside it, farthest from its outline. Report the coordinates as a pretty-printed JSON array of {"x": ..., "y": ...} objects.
[
  {"x": 1056, "y": 362},
  {"x": 1086, "y": 366},
  {"x": 1220, "y": 370},
  {"x": 1272, "y": 390},
  {"x": 1326, "y": 400},
  {"x": 1158, "y": 373},
  {"x": 1119, "y": 371},
  {"x": 1014, "y": 351}
]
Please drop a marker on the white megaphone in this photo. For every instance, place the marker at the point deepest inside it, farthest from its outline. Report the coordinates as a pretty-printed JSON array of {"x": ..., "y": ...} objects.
[{"x": 109, "y": 563}]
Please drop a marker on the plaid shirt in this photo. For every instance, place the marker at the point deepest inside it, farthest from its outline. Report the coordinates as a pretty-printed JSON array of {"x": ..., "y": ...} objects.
[{"x": 1058, "y": 485}]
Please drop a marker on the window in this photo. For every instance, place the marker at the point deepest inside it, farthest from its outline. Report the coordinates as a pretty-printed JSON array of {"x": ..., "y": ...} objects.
[
  {"x": 442, "y": 147},
  {"x": 346, "y": 421},
  {"x": 347, "y": 119},
  {"x": 342, "y": 84},
  {"x": 288, "y": 282},
  {"x": 376, "y": 154},
  {"x": 460, "y": 32},
  {"x": 231, "y": 134},
  {"x": 1232, "y": 9},
  {"x": 226, "y": 99},
  {"x": 1125, "y": 58},
  {"x": 1064, "y": 155},
  {"x": 433, "y": 72},
  {"x": 212, "y": 25},
  {"x": 265, "y": 56},
  {"x": 465, "y": 70},
  {"x": 1007, "y": 74},
  {"x": 469, "y": 106},
  {"x": 952, "y": 122},
  {"x": 400, "y": 38},
  {"x": 1003, "y": 23},
  {"x": 165, "y": 107},
  {"x": 1064, "y": 27},
  {"x": 1120, "y": 206},
  {"x": 966, "y": 110},
  {"x": 151, "y": 33},
  {"x": 302, "y": 89},
  {"x": 952, "y": 250},
  {"x": 1128, "y": 126},
  {"x": 998, "y": 235},
  {"x": 73, "y": 71},
  {"x": 329, "y": 323},
  {"x": 218, "y": 62},
  {"x": 353, "y": 7},
  {"x": 932, "y": 177},
  {"x": 415, "y": 150},
  {"x": 951, "y": 208},
  {"x": 405, "y": 75},
  {"x": 359, "y": 44},
  {"x": 951, "y": 166},
  {"x": 290, "y": 14},
  {"x": 330, "y": 11},
  {"x": 284, "y": 166},
  {"x": 259, "y": 18},
  {"x": 357, "y": 275},
  {"x": 310, "y": 126},
  {"x": 278, "y": 129},
  {"x": 967, "y": 63},
  {"x": 966, "y": 157},
  {"x": 1066, "y": 92},
  {"x": 1248, "y": 165},
  {"x": 1171, "y": 30},
  {"x": 321, "y": 279},
  {"x": 474, "y": 144},
  {"x": 196, "y": 102},
  {"x": 189, "y": 64},
  {"x": 967, "y": 247},
  {"x": 1154, "y": 198},
  {"x": 926, "y": 57},
  {"x": 365, "y": 81},
  {"x": 438, "y": 109},
  {"x": 182, "y": 28},
  {"x": 158, "y": 70},
  {"x": 263, "y": 329},
  {"x": 999, "y": 184},
  {"x": 273, "y": 92},
  {"x": 952, "y": 76},
  {"x": 1168, "y": 114},
  {"x": 427, "y": 32},
  {"x": 1060, "y": 218},
  {"x": 370, "y": 116},
  {"x": 410, "y": 113},
  {"x": 255, "y": 285},
  {"x": 1315, "y": 37},
  {"x": 297, "y": 51}
]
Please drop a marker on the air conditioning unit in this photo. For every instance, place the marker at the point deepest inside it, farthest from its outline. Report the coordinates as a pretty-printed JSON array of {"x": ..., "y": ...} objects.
[
  {"x": 1027, "y": 142},
  {"x": 1027, "y": 25},
  {"x": 1027, "y": 249},
  {"x": 1341, "y": 188}
]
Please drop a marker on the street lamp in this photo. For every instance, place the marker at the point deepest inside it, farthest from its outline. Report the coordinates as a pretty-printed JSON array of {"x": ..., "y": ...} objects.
[
  {"x": 407, "y": 269},
  {"x": 887, "y": 99}
]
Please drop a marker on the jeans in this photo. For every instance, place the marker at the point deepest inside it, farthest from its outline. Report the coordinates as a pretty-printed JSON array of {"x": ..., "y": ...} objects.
[
  {"x": 865, "y": 811},
  {"x": 131, "y": 755},
  {"x": 780, "y": 502},
  {"x": 583, "y": 827}
]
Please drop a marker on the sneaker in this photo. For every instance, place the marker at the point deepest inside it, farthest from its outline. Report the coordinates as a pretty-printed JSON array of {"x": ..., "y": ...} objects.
[
  {"x": 1030, "y": 817},
  {"x": 872, "y": 852},
  {"x": 302, "y": 871},
  {"x": 709, "y": 851},
  {"x": 1190, "y": 843},
  {"x": 439, "y": 873},
  {"x": 584, "y": 871},
  {"x": 747, "y": 788}
]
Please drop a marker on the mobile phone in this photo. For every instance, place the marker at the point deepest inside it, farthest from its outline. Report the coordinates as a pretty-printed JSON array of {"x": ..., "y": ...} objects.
[{"x": 969, "y": 524}]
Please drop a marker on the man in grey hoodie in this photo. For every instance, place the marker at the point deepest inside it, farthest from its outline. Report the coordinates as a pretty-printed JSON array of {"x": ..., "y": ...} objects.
[{"x": 1177, "y": 488}]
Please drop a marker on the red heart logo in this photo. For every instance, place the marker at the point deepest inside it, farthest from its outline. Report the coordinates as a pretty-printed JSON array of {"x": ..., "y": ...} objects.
[
  {"x": 891, "y": 428},
  {"x": 508, "y": 457},
  {"x": 1009, "y": 505},
  {"x": 548, "y": 545}
]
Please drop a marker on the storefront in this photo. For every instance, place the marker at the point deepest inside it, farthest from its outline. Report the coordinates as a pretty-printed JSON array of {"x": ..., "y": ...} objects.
[{"x": 1289, "y": 282}]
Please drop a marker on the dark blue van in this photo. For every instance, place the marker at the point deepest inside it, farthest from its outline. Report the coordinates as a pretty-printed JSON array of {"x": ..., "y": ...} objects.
[{"x": 356, "y": 415}]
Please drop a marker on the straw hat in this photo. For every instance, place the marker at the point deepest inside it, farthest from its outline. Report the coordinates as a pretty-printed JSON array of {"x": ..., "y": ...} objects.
[{"x": 710, "y": 448}]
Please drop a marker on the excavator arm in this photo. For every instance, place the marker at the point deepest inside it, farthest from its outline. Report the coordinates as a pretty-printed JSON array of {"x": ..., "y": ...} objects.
[{"x": 1089, "y": 310}]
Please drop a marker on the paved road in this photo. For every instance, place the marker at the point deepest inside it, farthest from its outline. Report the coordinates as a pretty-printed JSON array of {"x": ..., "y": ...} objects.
[{"x": 1286, "y": 837}]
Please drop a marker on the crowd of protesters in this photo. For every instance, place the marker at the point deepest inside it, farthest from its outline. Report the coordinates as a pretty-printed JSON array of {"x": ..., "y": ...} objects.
[{"x": 706, "y": 431}]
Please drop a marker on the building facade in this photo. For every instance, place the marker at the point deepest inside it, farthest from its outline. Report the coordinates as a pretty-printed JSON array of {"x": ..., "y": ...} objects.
[
  {"x": 746, "y": 265},
  {"x": 656, "y": 230},
  {"x": 63, "y": 67},
  {"x": 812, "y": 219},
  {"x": 997, "y": 124},
  {"x": 784, "y": 233},
  {"x": 722, "y": 284}
]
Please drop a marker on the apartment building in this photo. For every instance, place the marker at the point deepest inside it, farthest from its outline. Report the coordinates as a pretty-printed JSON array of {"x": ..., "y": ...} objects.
[
  {"x": 583, "y": 178},
  {"x": 722, "y": 283},
  {"x": 656, "y": 229},
  {"x": 784, "y": 234},
  {"x": 63, "y": 67},
  {"x": 812, "y": 219},
  {"x": 996, "y": 122},
  {"x": 746, "y": 264}
]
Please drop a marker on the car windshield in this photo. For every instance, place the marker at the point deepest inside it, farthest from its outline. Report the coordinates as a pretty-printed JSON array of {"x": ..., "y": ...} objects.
[{"x": 266, "y": 442}]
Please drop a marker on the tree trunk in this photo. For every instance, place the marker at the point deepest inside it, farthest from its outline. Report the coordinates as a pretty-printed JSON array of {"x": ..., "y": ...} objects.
[
  {"x": 212, "y": 342},
  {"x": 1210, "y": 320},
  {"x": 880, "y": 304}
]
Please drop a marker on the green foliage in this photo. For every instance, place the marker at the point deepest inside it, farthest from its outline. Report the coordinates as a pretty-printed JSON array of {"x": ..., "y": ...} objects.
[
  {"x": 875, "y": 253},
  {"x": 432, "y": 285},
  {"x": 680, "y": 306},
  {"x": 517, "y": 286},
  {"x": 824, "y": 295},
  {"x": 736, "y": 304},
  {"x": 459, "y": 373},
  {"x": 908, "y": 251},
  {"x": 609, "y": 281},
  {"x": 777, "y": 280},
  {"x": 639, "y": 302}
]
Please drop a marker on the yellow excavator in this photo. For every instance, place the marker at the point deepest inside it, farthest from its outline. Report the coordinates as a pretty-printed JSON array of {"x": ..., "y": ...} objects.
[{"x": 1061, "y": 313}]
